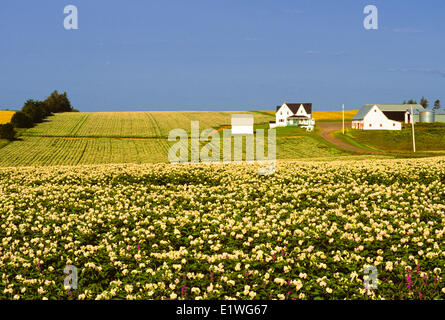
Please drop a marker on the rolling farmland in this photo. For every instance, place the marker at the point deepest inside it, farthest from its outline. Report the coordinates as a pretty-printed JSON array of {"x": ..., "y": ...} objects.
[
  {"x": 131, "y": 124},
  {"x": 135, "y": 137},
  {"x": 73, "y": 151}
]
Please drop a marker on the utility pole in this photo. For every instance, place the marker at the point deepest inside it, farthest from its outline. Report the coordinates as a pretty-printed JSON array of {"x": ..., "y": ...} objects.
[
  {"x": 343, "y": 108},
  {"x": 412, "y": 125}
]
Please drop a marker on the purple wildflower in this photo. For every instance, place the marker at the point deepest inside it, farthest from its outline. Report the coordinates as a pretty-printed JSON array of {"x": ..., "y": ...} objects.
[{"x": 183, "y": 291}]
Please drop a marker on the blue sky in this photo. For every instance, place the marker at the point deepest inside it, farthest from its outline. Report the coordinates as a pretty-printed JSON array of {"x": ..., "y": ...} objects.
[{"x": 221, "y": 55}]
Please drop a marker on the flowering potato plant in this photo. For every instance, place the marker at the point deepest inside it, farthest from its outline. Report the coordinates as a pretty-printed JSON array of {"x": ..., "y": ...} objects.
[{"x": 221, "y": 231}]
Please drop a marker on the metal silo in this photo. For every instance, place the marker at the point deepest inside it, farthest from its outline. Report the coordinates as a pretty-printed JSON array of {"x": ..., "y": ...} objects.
[{"x": 426, "y": 117}]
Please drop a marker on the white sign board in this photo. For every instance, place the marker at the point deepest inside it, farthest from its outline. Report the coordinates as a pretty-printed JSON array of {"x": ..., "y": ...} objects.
[{"x": 242, "y": 123}]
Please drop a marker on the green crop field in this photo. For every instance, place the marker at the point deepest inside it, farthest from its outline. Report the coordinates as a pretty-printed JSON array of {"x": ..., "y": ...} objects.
[
  {"x": 137, "y": 137},
  {"x": 132, "y": 124},
  {"x": 429, "y": 137},
  {"x": 72, "y": 151}
]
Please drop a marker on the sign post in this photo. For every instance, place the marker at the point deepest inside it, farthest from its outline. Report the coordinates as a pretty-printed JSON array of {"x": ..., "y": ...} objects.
[
  {"x": 412, "y": 125},
  {"x": 343, "y": 109}
]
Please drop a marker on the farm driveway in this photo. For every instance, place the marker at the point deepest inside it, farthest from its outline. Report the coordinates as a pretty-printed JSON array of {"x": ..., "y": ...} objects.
[{"x": 326, "y": 132}]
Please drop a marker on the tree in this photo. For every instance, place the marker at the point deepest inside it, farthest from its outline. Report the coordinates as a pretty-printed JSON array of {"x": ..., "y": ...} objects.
[
  {"x": 58, "y": 102},
  {"x": 21, "y": 120},
  {"x": 411, "y": 101},
  {"x": 7, "y": 131},
  {"x": 34, "y": 110},
  {"x": 436, "y": 105},
  {"x": 424, "y": 102}
]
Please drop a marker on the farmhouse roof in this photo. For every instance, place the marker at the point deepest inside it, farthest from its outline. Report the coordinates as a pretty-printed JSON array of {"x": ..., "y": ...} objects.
[{"x": 295, "y": 106}]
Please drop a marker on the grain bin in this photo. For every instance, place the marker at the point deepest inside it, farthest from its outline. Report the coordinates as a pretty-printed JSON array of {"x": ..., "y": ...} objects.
[{"x": 426, "y": 117}]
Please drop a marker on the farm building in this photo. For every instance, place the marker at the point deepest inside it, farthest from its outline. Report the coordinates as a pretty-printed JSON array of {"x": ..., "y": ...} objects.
[
  {"x": 383, "y": 116},
  {"x": 242, "y": 124},
  {"x": 429, "y": 116},
  {"x": 293, "y": 114}
]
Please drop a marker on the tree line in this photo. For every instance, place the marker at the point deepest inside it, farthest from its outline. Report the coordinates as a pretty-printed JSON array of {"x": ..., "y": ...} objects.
[
  {"x": 35, "y": 111},
  {"x": 424, "y": 103}
]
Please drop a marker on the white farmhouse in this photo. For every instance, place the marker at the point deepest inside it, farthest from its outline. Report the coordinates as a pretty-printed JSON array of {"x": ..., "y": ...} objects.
[
  {"x": 293, "y": 114},
  {"x": 383, "y": 116},
  {"x": 242, "y": 123}
]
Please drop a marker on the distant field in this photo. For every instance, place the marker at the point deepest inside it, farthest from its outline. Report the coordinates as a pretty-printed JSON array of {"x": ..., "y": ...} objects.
[
  {"x": 139, "y": 137},
  {"x": 324, "y": 115},
  {"x": 132, "y": 124},
  {"x": 333, "y": 115},
  {"x": 31, "y": 151},
  {"x": 5, "y": 116}
]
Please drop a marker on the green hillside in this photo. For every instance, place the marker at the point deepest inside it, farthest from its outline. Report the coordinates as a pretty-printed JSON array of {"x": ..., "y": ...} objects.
[{"x": 429, "y": 137}]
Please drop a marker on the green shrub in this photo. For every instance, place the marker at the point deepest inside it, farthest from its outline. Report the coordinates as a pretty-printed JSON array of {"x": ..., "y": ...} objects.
[
  {"x": 7, "y": 131},
  {"x": 21, "y": 120}
]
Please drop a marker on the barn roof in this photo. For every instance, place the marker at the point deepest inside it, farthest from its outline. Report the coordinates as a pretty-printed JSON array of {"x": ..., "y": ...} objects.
[
  {"x": 361, "y": 114},
  {"x": 397, "y": 107},
  {"x": 389, "y": 108}
]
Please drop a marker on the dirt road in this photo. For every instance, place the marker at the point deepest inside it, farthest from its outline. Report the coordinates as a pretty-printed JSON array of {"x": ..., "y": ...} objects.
[{"x": 326, "y": 132}]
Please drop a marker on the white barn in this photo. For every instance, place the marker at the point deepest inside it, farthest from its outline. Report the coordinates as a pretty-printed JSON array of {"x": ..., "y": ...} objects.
[
  {"x": 293, "y": 114},
  {"x": 383, "y": 116},
  {"x": 242, "y": 124}
]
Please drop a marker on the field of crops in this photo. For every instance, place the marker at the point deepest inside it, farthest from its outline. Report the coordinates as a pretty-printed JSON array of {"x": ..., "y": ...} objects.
[
  {"x": 135, "y": 137},
  {"x": 131, "y": 124},
  {"x": 222, "y": 231},
  {"x": 5, "y": 116},
  {"x": 47, "y": 151},
  {"x": 333, "y": 115}
]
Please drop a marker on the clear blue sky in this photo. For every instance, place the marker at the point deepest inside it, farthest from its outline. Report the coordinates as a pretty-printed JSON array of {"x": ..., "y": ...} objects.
[{"x": 221, "y": 55}]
